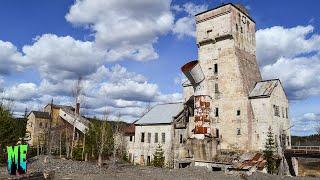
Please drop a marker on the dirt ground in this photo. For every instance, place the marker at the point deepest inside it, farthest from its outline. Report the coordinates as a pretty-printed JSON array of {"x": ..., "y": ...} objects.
[{"x": 68, "y": 169}]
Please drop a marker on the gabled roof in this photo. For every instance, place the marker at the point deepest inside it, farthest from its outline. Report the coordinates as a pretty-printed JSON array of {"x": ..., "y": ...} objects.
[
  {"x": 161, "y": 114},
  {"x": 264, "y": 89},
  {"x": 40, "y": 114},
  {"x": 60, "y": 106}
]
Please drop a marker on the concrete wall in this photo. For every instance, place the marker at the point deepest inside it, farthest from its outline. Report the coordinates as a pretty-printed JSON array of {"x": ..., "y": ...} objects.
[
  {"x": 265, "y": 117},
  {"x": 37, "y": 132},
  {"x": 221, "y": 41},
  {"x": 146, "y": 149}
]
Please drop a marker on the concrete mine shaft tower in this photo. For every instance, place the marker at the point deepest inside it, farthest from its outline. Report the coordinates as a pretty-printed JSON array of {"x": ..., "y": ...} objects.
[{"x": 222, "y": 78}]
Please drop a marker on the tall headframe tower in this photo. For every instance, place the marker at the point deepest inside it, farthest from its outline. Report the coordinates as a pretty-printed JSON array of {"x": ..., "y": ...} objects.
[{"x": 225, "y": 38}]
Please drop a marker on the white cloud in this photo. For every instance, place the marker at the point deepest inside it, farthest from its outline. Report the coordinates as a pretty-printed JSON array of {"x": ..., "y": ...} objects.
[
  {"x": 60, "y": 58},
  {"x": 185, "y": 26},
  {"x": 293, "y": 55},
  {"x": 10, "y": 58},
  {"x": 22, "y": 92},
  {"x": 305, "y": 124},
  {"x": 298, "y": 75},
  {"x": 127, "y": 29},
  {"x": 277, "y": 41}
]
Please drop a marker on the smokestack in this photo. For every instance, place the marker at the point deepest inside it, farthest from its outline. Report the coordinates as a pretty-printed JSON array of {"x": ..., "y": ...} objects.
[
  {"x": 78, "y": 108},
  {"x": 192, "y": 70}
]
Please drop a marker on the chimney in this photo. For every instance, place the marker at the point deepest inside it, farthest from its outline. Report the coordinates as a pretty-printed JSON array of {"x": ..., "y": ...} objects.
[{"x": 78, "y": 108}]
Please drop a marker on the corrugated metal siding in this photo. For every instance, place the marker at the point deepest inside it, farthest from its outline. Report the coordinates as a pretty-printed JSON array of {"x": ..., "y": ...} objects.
[{"x": 161, "y": 114}]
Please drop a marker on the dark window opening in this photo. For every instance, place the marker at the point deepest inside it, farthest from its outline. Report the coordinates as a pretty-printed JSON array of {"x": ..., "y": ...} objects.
[
  {"x": 216, "y": 169},
  {"x": 163, "y": 135},
  {"x": 149, "y": 137},
  {"x": 142, "y": 137},
  {"x": 181, "y": 139},
  {"x": 238, "y": 131},
  {"x": 241, "y": 30},
  {"x": 238, "y": 112},
  {"x": 215, "y": 68},
  {"x": 217, "y": 133},
  {"x": 131, "y": 138},
  {"x": 156, "y": 137},
  {"x": 237, "y": 27},
  {"x": 276, "y": 110},
  {"x": 217, "y": 112},
  {"x": 184, "y": 165},
  {"x": 287, "y": 113},
  {"x": 40, "y": 124},
  {"x": 216, "y": 88},
  {"x": 148, "y": 161}
]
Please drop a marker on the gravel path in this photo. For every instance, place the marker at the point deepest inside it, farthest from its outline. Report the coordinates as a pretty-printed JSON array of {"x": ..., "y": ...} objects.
[{"x": 68, "y": 169}]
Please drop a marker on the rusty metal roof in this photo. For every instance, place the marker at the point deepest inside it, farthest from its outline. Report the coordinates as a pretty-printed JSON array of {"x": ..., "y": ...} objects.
[{"x": 263, "y": 88}]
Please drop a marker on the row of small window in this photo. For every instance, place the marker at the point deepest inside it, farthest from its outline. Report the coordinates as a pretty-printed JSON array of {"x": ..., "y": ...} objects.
[
  {"x": 277, "y": 111},
  {"x": 217, "y": 112},
  {"x": 156, "y": 138},
  {"x": 40, "y": 125}
]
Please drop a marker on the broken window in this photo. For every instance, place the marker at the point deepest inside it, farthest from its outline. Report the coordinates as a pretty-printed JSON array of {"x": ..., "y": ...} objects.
[
  {"x": 155, "y": 137},
  {"x": 142, "y": 137},
  {"x": 217, "y": 112},
  {"x": 276, "y": 110},
  {"x": 181, "y": 138},
  {"x": 216, "y": 68},
  {"x": 163, "y": 135},
  {"x": 40, "y": 124},
  {"x": 238, "y": 112},
  {"x": 238, "y": 131},
  {"x": 149, "y": 137},
  {"x": 131, "y": 138}
]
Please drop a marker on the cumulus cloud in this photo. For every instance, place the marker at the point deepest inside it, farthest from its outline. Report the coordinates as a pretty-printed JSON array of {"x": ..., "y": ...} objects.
[
  {"x": 10, "y": 58},
  {"x": 293, "y": 55},
  {"x": 299, "y": 75},
  {"x": 22, "y": 92},
  {"x": 127, "y": 29},
  {"x": 185, "y": 25},
  {"x": 59, "y": 58},
  {"x": 305, "y": 124},
  {"x": 115, "y": 89},
  {"x": 278, "y": 41}
]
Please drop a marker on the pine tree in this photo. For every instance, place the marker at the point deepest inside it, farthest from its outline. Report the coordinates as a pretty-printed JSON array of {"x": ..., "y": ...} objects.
[
  {"x": 269, "y": 152},
  {"x": 158, "y": 157}
]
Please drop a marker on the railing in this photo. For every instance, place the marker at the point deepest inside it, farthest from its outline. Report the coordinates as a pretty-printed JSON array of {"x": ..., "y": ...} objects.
[{"x": 304, "y": 149}]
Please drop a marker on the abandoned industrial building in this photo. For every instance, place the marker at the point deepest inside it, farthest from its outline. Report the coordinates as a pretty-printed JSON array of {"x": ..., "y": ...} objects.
[
  {"x": 226, "y": 107},
  {"x": 56, "y": 124}
]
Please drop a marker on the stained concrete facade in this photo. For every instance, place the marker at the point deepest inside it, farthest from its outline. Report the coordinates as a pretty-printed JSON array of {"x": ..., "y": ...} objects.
[
  {"x": 225, "y": 38},
  {"x": 37, "y": 128},
  {"x": 153, "y": 129}
]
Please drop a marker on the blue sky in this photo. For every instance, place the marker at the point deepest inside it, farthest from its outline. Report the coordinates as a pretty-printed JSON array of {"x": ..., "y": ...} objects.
[{"x": 41, "y": 42}]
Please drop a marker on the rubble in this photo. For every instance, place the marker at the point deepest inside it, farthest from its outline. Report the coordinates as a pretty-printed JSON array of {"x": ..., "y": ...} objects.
[{"x": 68, "y": 169}]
